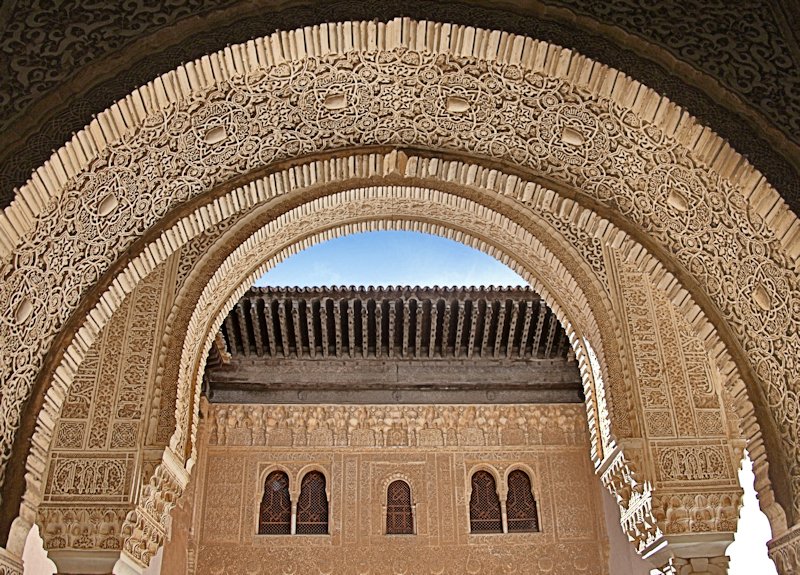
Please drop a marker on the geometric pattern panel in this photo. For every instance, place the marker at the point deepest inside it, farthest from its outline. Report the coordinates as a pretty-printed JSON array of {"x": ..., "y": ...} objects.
[
  {"x": 399, "y": 516},
  {"x": 230, "y": 478},
  {"x": 312, "y": 505}
]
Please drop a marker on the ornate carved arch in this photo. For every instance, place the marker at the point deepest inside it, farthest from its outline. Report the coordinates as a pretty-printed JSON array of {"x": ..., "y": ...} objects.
[{"x": 682, "y": 178}]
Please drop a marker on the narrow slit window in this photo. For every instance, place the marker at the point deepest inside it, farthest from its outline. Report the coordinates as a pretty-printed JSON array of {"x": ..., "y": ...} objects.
[
  {"x": 312, "y": 506},
  {"x": 399, "y": 517},
  {"x": 484, "y": 505},
  {"x": 275, "y": 515},
  {"x": 521, "y": 505}
]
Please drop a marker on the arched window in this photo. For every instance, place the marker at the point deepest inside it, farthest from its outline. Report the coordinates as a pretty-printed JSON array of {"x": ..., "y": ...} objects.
[
  {"x": 520, "y": 505},
  {"x": 312, "y": 506},
  {"x": 484, "y": 505},
  {"x": 399, "y": 518},
  {"x": 275, "y": 515}
]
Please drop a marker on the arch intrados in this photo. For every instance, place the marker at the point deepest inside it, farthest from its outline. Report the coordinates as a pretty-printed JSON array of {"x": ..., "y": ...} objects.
[
  {"x": 311, "y": 467},
  {"x": 264, "y": 473},
  {"x": 392, "y": 478},
  {"x": 524, "y": 468},
  {"x": 498, "y": 485}
]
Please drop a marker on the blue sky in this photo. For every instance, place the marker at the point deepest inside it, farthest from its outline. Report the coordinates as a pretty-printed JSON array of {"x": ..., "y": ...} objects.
[{"x": 390, "y": 258}]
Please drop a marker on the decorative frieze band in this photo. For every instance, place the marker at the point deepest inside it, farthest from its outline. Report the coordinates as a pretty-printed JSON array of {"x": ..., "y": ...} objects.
[{"x": 396, "y": 425}]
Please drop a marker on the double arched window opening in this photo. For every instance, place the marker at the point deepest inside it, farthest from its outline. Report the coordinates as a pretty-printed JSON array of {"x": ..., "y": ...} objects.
[
  {"x": 488, "y": 514},
  {"x": 307, "y": 514},
  {"x": 281, "y": 514}
]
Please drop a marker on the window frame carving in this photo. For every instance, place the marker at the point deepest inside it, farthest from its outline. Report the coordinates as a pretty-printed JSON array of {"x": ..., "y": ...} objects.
[
  {"x": 507, "y": 514},
  {"x": 263, "y": 476}
]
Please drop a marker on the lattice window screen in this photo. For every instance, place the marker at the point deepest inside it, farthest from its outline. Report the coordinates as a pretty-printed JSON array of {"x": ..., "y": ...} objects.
[
  {"x": 312, "y": 506},
  {"x": 520, "y": 505},
  {"x": 399, "y": 518},
  {"x": 484, "y": 505},
  {"x": 275, "y": 515}
]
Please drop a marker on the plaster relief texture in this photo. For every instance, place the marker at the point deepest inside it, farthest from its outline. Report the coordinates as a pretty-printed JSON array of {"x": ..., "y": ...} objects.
[
  {"x": 505, "y": 107},
  {"x": 361, "y": 449},
  {"x": 96, "y": 457}
]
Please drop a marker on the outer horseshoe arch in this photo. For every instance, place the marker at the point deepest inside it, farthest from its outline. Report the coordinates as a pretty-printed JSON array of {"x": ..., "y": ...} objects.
[{"x": 677, "y": 176}]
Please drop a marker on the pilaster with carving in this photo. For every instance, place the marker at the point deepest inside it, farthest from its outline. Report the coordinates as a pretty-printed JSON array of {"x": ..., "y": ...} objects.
[{"x": 634, "y": 497}]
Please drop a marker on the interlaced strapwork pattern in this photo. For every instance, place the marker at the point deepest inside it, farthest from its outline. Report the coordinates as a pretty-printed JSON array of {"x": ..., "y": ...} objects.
[
  {"x": 399, "y": 518},
  {"x": 312, "y": 506},
  {"x": 275, "y": 516},
  {"x": 520, "y": 504},
  {"x": 484, "y": 505}
]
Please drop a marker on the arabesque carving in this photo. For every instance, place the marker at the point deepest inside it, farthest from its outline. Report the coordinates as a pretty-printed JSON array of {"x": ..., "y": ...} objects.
[
  {"x": 146, "y": 527},
  {"x": 82, "y": 527},
  {"x": 631, "y": 177},
  {"x": 230, "y": 483},
  {"x": 9, "y": 565},
  {"x": 105, "y": 221},
  {"x": 635, "y": 500},
  {"x": 785, "y": 552},
  {"x": 402, "y": 425}
]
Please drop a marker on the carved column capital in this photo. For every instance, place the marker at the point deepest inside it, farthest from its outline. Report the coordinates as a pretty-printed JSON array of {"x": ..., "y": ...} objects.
[
  {"x": 679, "y": 511},
  {"x": 785, "y": 552}
]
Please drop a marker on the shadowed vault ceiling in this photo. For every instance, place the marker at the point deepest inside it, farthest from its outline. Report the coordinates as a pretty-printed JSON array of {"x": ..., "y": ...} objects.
[{"x": 734, "y": 65}]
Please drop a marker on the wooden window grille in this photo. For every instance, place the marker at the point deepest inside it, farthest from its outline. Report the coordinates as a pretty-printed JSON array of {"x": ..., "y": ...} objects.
[
  {"x": 399, "y": 516},
  {"x": 312, "y": 506},
  {"x": 275, "y": 515},
  {"x": 484, "y": 505},
  {"x": 520, "y": 504}
]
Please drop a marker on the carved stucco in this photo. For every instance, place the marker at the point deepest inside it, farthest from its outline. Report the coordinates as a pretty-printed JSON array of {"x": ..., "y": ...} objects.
[
  {"x": 733, "y": 66},
  {"x": 785, "y": 551},
  {"x": 246, "y": 263},
  {"x": 434, "y": 449},
  {"x": 561, "y": 156},
  {"x": 95, "y": 462}
]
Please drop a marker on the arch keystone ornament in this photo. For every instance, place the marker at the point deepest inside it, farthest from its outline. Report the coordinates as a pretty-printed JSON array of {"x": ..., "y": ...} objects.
[{"x": 294, "y": 116}]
